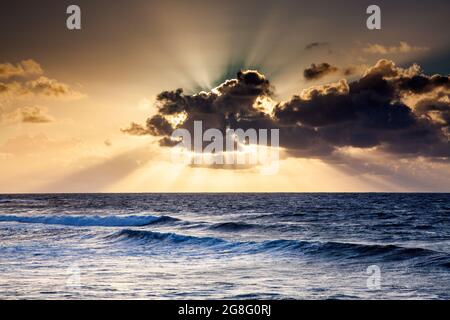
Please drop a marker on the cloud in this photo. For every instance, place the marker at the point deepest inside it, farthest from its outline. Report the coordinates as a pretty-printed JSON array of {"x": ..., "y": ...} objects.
[
  {"x": 25, "y": 81},
  {"x": 34, "y": 114},
  {"x": 24, "y": 68},
  {"x": 403, "y": 47},
  {"x": 135, "y": 129},
  {"x": 41, "y": 88},
  {"x": 47, "y": 87},
  {"x": 354, "y": 70},
  {"x": 317, "y": 71},
  {"x": 314, "y": 45},
  {"x": 233, "y": 98},
  {"x": 368, "y": 113},
  {"x": 371, "y": 114}
]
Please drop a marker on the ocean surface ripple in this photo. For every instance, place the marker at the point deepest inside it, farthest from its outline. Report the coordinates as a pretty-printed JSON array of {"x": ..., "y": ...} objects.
[{"x": 263, "y": 246}]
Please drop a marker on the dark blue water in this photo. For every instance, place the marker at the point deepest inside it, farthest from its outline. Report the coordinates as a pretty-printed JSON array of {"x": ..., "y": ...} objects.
[{"x": 178, "y": 246}]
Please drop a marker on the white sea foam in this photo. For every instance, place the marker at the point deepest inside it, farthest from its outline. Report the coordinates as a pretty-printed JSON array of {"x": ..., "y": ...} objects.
[{"x": 102, "y": 221}]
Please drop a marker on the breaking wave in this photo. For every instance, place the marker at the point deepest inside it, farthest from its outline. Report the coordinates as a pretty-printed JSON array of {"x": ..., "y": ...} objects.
[
  {"x": 90, "y": 221},
  {"x": 292, "y": 247}
]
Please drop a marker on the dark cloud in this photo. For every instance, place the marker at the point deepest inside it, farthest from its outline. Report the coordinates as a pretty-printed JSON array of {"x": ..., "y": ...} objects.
[
  {"x": 423, "y": 84},
  {"x": 370, "y": 112},
  {"x": 349, "y": 71},
  {"x": 314, "y": 45},
  {"x": 230, "y": 102},
  {"x": 317, "y": 71},
  {"x": 135, "y": 129},
  {"x": 440, "y": 110}
]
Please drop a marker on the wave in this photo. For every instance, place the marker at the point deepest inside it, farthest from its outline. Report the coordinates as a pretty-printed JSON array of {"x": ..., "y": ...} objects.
[
  {"x": 349, "y": 250},
  {"x": 334, "y": 250},
  {"x": 23, "y": 201},
  {"x": 90, "y": 221},
  {"x": 163, "y": 220},
  {"x": 173, "y": 238},
  {"x": 232, "y": 226}
]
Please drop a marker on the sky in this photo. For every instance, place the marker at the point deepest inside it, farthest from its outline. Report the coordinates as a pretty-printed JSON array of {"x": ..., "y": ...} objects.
[{"x": 92, "y": 110}]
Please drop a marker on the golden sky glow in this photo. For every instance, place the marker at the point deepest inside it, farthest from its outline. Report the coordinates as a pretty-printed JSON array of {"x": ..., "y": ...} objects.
[{"x": 66, "y": 95}]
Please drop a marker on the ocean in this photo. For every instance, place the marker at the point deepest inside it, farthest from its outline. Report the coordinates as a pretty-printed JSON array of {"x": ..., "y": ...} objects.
[{"x": 225, "y": 246}]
